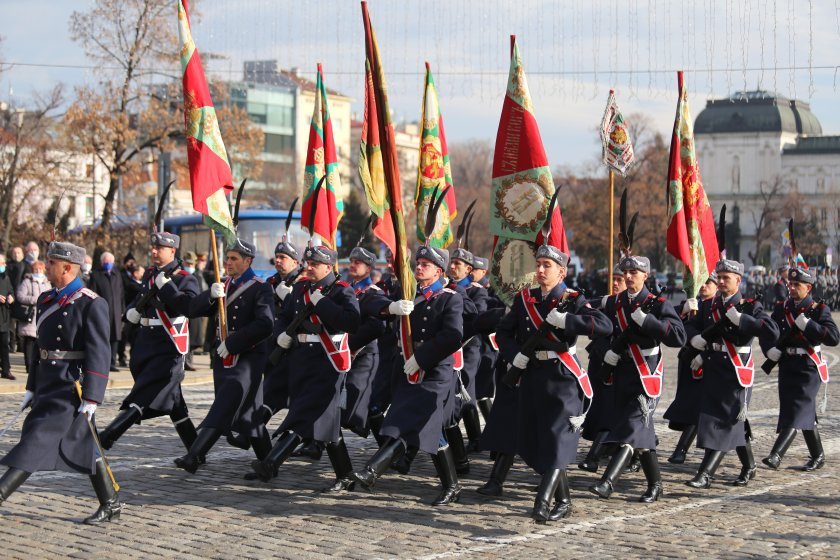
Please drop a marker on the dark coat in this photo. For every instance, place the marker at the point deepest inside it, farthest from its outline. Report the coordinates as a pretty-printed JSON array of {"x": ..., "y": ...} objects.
[
  {"x": 111, "y": 288},
  {"x": 600, "y": 413},
  {"x": 54, "y": 435},
  {"x": 314, "y": 384},
  {"x": 198, "y": 325},
  {"x": 723, "y": 397},
  {"x": 380, "y": 396},
  {"x": 549, "y": 393},
  {"x": 799, "y": 381},
  {"x": 276, "y": 377},
  {"x": 6, "y": 290}
]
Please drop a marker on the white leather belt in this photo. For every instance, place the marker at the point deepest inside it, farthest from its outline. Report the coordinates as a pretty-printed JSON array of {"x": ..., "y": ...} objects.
[
  {"x": 543, "y": 355},
  {"x": 801, "y": 351},
  {"x": 145, "y": 322},
  {"x": 314, "y": 338},
  {"x": 718, "y": 347},
  {"x": 62, "y": 354},
  {"x": 646, "y": 351}
]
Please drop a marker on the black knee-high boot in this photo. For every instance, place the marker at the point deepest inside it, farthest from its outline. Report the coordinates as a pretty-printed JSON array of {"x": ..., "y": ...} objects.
[
  {"x": 815, "y": 448},
  {"x": 710, "y": 464},
  {"x": 375, "y": 421},
  {"x": 206, "y": 438},
  {"x": 650, "y": 466},
  {"x": 109, "y": 500},
  {"x": 447, "y": 471},
  {"x": 593, "y": 457},
  {"x": 783, "y": 441},
  {"x": 604, "y": 488},
  {"x": 402, "y": 464},
  {"x": 11, "y": 481},
  {"x": 459, "y": 451},
  {"x": 563, "y": 505},
  {"x": 745, "y": 454},
  {"x": 380, "y": 462},
  {"x": 545, "y": 493},
  {"x": 496, "y": 482},
  {"x": 485, "y": 406},
  {"x": 266, "y": 469},
  {"x": 343, "y": 467},
  {"x": 473, "y": 426},
  {"x": 683, "y": 445},
  {"x": 118, "y": 426},
  {"x": 261, "y": 444}
]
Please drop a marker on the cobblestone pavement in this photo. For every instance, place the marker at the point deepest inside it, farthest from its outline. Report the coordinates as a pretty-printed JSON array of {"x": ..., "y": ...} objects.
[{"x": 216, "y": 514}]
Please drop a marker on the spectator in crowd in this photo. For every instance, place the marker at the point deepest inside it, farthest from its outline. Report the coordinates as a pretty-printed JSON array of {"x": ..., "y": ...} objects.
[
  {"x": 198, "y": 325},
  {"x": 6, "y": 299},
  {"x": 32, "y": 254},
  {"x": 86, "y": 269},
  {"x": 15, "y": 269},
  {"x": 106, "y": 282},
  {"x": 31, "y": 287},
  {"x": 131, "y": 286}
]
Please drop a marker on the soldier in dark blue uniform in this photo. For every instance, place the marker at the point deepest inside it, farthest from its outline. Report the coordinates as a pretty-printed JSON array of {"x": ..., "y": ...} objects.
[
  {"x": 727, "y": 372},
  {"x": 240, "y": 357},
  {"x": 380, "y": 397},
  {"x": 319, "y": 358},
  {"x": 684, "y": 410},
  {"x": 804, "y": 325},
  {"x": 424, "y": 384},
  {"x": 596, "y": 428},
  {"x": 485, "y": 378},
  {"x": 554, "y": 387},
  {"x": 73, "y": 335},
  {"x": 157, "y": 356},
  {"x": 643, "y": 322}
]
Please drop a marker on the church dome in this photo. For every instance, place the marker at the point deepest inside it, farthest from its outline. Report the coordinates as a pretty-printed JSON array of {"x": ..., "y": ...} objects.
[{"x": 757, "y": 111}]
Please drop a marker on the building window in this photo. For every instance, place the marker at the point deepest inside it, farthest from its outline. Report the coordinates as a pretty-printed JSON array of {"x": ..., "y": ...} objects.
[
  {"x": 824, "y": 219},
  {"x": 89, "y": 170},
  {"x": 90, "y": 208},
  {"x": 736, "y": 174},
  {"x": 821, "y": 184},
  {"x": 278, "y": 143}
]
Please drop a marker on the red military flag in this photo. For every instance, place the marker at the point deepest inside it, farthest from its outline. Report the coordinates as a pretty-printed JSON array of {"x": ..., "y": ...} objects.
[
  {"x": 691, "y": 225},
  {"x": 321, "y": 160},
  {"x": 210, "y": 176}
]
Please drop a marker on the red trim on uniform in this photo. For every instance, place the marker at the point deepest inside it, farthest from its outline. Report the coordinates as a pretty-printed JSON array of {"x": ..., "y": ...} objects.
[{"x": 96, "y": 373}]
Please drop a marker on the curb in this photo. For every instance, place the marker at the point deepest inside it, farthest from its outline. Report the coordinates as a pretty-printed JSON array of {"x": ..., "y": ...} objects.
[{"x": 197, "y": 378}]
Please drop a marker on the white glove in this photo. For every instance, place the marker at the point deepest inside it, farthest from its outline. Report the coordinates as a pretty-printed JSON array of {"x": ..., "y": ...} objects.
[
  {"x": 133, "y": 316},
  {"x": 222, "y": 350},
  {"x": 802, "y": 321},
  {"x": 697, "y": 362},
  {"x": 87, "y": 408},
  {"x": 27, "y": 399},
  {"x": 689, "y": 306},
  {"x": 698, "y": 342},
  {"x": 411, "y": 366},
  {"x": 611, "y": 358},
  {"x": 401, "y": 307},
  {"x": 284, "y": 341},
  {"x": 520, "y": 361},
  {"x": 733, "y": 315},
  {"x": 774, "y": 354},
  {"x": 556, "y": 319},
  {"x": 316, "y": 296},
  {"x": 217, "y": 290},
  {"x": 282, "y": 290},
  {"x": 161, "y": 280},
  {"x": 638, "y": 316}
]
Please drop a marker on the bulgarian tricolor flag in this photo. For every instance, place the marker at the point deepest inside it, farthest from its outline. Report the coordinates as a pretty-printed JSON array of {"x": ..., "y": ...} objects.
[
  {"x": 691, "y": 225},
  {"x": 434, "y": 169},
  {"x": 320, "y": 160},
  {"x": 210, "y": 175}
]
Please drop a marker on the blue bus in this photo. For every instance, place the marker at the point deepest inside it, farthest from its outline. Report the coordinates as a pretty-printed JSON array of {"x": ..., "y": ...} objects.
[{"x": 263, "y": 228}]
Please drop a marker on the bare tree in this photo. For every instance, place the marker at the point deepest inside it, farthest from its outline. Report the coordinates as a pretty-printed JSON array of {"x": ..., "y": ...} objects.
[{"x": 765, "y": 216}]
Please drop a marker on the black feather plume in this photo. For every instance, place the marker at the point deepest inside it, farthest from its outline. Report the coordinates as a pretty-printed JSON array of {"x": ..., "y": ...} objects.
[
  {"x": 721, "y": 232},
  {"x": 462, "y": 227},
  {"x": 435, "y": 203},
  {"x": 631, "y": 231},
  {"x": 623, "y": 239},
  {"x": 367, "y": 228},
  {"x": 289, "y": 218},
  {"x": 314, "y": 208},
  {"x": 545, "y": 230},
  {"x": 467, "y": 233},
  {"x": 161, "y": 203},
  {"x": 793, "y": 250},
  {"x": 238, "y": 201}
]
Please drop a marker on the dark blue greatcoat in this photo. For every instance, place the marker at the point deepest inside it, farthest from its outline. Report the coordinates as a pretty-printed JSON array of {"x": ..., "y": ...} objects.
[
  {"x": 54, "y": 435},
  {"x": 628, "y": 424},
  {"x": 156, "y": 365},
  {"x": 723, "y": 397},
  {"x": 250, "y": 323},
  {"x": 314, "y": 384},
  {"x": 549, "y": 393},
  {"x": 275, "y": 394},
  {"x": 500, "y": 429},
  {"x": 471, "y": 355},
  {"x": 380, "y": 393},
  {"x": 799, "y": 382},
  {"x": 600, "y": 413},
  {"x": 365, "y": 347},
  {"x": 419, "y": 411}
]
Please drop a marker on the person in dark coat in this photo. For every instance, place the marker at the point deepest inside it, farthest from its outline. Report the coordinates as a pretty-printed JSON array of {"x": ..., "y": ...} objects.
[
  {"x": 157, "y": 356},
  {"x": 648, "y": 321},
  {"x": 239, "y": 358},
  {"x": 554, "y": 388},
  {"x": 485, "y": 378},
  {"x": 319, "y": 358},
  {"x": 684, "y": 410},
  {"x": 728, "y": 370},
  {"x": 198, "y": 325},
  {"x": 596, "y": 427},
  {"x": 106, "y": 282},
  {"x": 424, "y": 384},
  {"x": 380, "y": 393},
  {"x": 131, "y": 287},
  {"x": 7, "y": 298},
  {"x": 805, "y": 326},
  {"x": 75, "y": 350},
  {"x": 780, "y": 288},
  {"x": 15, "y": 269}
]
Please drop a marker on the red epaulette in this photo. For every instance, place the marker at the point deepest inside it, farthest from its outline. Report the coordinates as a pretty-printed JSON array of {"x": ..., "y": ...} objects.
[
  {"x": 342, "y": 283},
  {"x": 183, "y": 272},
  {"x": 660, "y": 298}
]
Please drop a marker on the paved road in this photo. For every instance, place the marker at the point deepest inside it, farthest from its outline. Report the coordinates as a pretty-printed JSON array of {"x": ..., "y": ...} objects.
[{"x": 216, "y": 514}]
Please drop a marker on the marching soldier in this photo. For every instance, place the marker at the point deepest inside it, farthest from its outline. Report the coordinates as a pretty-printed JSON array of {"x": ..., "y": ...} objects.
[
  {"x": 380, "y": 397},
  {"x": 162, "y": 341},
  {"x": 319, "y": 358},
  {"x": 685, "y": 408},
  {"x": 58, "y": 434},
  {"x": 726, "y": 359},
  {"x": 553, "y": 386},
  {"x": 424, "y": 383},
  {"x": 804, "y": 326},
  {"x": 240, "y": 356},
  {"x": 485, "y": 378},
  {"x": 641, "y": 322}
]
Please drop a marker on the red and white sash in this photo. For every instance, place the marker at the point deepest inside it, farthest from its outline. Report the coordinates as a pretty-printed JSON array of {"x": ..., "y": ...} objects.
[
  {"x": 493, "y": 344},
  {"x": 816, "y": 357},
  {"x": 339, "y": 356},
  {"x": 565, "y": 357},
  {"x": 651, "y": 381},
  {"x": 179, "y": 333},
  {"x": 406, "y": 348},
  {"x": 746, "y": 371}
]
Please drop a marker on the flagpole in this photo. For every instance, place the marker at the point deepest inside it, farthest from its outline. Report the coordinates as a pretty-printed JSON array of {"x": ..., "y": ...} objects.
[
  {"x": 221, "y": 300},
  {"x": 612, "y": 232}
]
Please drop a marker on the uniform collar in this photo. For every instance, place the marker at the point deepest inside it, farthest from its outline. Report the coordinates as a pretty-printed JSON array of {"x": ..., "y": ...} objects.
[
  {"x": 244, "y": 277},
  {"x": 64, "y": 293},
  {"x": 465, "y": 281},
  {"x": 325, "y": 281},
  {"x": 362, "y": 284},
  {"x": 431, "y": 289},
  {"x": 556, "y": 292},
  {"x": 290, "y": 275}
]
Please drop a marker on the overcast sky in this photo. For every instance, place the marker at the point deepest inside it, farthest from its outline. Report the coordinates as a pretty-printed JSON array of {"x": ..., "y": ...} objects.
[{"x": 573, "y": 53}]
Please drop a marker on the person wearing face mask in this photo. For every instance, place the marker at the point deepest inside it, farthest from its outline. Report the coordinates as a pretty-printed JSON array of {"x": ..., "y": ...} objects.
[
  {"x": 106, "y": 282},
  {"x": 15, "y": 270},
  {"x": 31, "y": 287},
  {"x": 131, "y": 278},
  {"x": 86, "y": 269},
  {"x": 7, "y": 297},
  {"x": 32, "y": 254}
]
